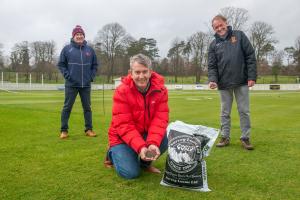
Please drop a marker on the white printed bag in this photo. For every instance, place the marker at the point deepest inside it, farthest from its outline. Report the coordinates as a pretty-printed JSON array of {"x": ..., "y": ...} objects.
[{"x": 188, "y": 145}]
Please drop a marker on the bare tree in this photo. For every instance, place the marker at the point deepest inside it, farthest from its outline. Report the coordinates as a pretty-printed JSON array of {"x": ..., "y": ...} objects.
[
  {"x": 277, "y": 63},
  {"x": 261, "y": 37},
  {"x": 163, "y": 67},
  {"x": 1, "y": 57},
  {"x": 297, "y": 55},
  {"x": 175, "y": 55},
  {"x": 186, "y": 52},
  {"x": 199, "y": 43},
  {"x": 112, "y": 39},
  {"x": 20, "y": 57},
  {"x": 236, "y": 17},
  {"x": 43, "y": 53}
]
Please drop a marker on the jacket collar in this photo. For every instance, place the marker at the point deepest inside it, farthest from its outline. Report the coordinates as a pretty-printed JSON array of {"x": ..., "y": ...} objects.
[
  {"x": 74, "y": 44},
  {"x": 144, "y": 91},
  {"x": 229, "y": 34}
]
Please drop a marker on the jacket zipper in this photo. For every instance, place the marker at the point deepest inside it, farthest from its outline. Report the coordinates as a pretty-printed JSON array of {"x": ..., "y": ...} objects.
[
  {"x": 81, "y": 67},
  {"x": 147, "y": 107},
  {"x": 145, "y": 110}
]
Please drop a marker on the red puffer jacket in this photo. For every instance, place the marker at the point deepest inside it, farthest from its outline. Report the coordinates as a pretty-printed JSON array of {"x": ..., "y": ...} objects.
[{"x": 134, "y": 114}]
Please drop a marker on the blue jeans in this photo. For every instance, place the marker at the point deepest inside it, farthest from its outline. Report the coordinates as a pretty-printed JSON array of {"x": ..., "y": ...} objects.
[
  {"x": 127, "y": 162},
  {"x": 70, "y": 96}
]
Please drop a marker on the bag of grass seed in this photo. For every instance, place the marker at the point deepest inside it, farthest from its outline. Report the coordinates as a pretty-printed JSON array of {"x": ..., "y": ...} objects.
[{"x": 188, "y": 145}]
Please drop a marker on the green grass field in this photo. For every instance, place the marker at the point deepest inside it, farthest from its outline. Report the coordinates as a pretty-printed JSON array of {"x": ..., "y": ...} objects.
[{"x": 36, "y": 164}]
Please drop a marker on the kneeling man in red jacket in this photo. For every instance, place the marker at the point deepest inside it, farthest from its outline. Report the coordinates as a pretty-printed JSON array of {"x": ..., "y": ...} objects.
[{"x": 140, "y": 115}]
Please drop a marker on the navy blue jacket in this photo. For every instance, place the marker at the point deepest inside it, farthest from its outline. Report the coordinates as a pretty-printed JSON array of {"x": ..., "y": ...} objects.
[
  {"x": 231, "y": 60},
  {"x": 78, "y": 64}
]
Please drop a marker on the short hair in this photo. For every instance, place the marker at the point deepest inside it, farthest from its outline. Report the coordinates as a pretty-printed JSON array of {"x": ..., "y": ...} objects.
[
  {"x": 141, "y": 59},
  {"x": 218, "y": 17}
]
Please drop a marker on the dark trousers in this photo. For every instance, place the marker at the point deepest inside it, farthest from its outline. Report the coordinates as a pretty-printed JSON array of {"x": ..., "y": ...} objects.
[{"x": 70, "y": 96}]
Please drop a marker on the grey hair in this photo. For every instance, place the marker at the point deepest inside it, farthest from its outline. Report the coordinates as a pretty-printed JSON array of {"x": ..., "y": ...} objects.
[
  {"x": 141, "y": 59},
  {"x": 219, "y": 17}
]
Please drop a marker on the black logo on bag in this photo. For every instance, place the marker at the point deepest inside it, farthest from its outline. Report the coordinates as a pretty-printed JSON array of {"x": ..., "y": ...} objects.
[{"x": 184, "y": 153}]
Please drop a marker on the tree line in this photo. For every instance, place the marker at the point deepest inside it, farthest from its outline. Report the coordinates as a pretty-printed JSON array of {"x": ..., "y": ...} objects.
[{"x": 186, "y": 57}]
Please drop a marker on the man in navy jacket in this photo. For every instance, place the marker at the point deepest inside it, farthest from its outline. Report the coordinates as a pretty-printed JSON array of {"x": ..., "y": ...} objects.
[
  {"x": 232, "y": 68},
  {"x": 78, "y": 64}
]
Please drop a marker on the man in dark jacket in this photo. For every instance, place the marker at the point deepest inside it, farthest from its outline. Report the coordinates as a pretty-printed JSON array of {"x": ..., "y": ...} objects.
[
  {"x": 232, "y": 69},
  {"x": 78, "y": 64},
  {"x": 140, "y": 115}
]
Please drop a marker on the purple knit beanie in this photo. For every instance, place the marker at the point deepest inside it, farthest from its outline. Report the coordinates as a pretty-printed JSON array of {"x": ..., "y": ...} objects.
[{"x": 77, "y": 29}]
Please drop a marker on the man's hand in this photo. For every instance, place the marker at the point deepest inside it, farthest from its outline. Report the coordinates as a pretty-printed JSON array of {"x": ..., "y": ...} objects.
[
  {"x": 212, "y": 85},
  {"x": 155, "y": 150},
  {"x": 143, "y": 154},
  {"x": 251, "y": 83}
]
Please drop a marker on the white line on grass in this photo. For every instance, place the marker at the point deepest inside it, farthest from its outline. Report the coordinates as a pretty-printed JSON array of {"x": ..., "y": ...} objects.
[
  {"x": 8, "y": 91},
  {"x": 20, "y": 102},
  {"x": 273, "y": 93},
  {"x": 199, "y": 99}
]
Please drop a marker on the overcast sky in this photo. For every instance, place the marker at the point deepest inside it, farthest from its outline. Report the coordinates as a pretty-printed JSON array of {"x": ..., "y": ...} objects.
[{"x": 163, "y": 20}]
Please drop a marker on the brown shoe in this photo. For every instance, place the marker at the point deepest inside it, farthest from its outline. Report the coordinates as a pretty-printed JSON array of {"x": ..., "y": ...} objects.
[
  {"x": 246, "y": 144},
  {"x": 90, "y": 133},
  {"x": 64, "y": 135},
  {"x": 152, "y": 169},
  {"x": 107, "y": 163},
  {"x": 223, "y": 142}
]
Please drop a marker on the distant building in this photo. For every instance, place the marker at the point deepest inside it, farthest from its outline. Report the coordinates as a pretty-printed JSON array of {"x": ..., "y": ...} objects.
[{"x": 117, "y": 82}]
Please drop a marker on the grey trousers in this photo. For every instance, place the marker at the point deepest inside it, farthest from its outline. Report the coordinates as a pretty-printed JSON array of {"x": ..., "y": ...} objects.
[{"x": 241, "y": 95}]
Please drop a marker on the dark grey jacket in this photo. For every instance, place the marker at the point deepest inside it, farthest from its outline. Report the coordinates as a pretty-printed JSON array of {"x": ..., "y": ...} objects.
[{"x": 231, "y": 60}]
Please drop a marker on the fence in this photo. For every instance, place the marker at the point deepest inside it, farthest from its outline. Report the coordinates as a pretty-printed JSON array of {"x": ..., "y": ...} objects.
[
  {"x": 57, "y": 78},
  {"x": 200, "y": 87},
  {"x": 32, "y": 77},
  {"x": 43, "y": 78}
]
